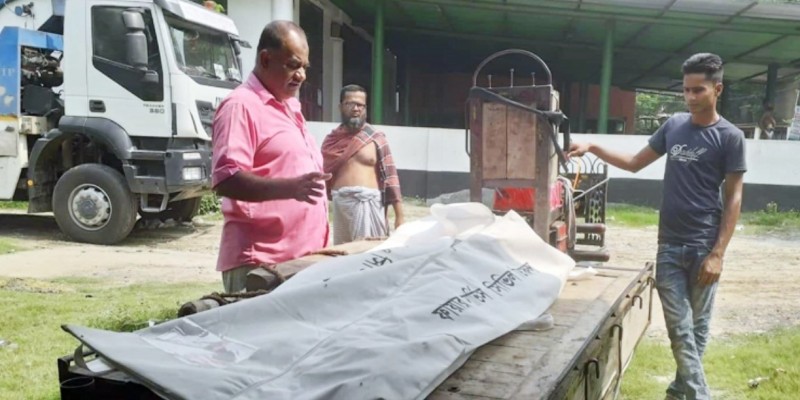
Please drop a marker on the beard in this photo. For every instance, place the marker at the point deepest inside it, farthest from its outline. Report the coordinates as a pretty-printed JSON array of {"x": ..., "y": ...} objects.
[{"x": 354, "y": 123}]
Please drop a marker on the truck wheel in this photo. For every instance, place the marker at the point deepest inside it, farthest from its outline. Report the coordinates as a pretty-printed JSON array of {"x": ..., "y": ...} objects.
[
  {"x": 181, "y": 211},
  {"x": 92, "y": 203}
]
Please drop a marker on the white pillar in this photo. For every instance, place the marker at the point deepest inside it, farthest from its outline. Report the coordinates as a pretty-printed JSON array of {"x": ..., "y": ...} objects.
[
  {"x": 284, "y": 10},
  {"x": 250, "y": 17}
]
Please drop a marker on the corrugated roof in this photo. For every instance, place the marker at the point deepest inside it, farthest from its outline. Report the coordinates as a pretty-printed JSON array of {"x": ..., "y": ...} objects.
[{"x": 652, "y": 37}]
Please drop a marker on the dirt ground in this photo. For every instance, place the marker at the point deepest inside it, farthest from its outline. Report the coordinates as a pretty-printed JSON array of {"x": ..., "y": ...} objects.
[{"x": 758, "y": 291}]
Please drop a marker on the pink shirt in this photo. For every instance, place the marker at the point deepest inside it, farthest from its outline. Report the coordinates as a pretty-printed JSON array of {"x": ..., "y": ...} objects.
[{"x": 254, "y": 132}]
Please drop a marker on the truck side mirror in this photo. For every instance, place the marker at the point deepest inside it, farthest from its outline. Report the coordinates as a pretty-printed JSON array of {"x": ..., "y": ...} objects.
[
  {"x": 237, "y": 49},
  {"x": 135, "y": 40},
  {"x": 136, "y": 45}
]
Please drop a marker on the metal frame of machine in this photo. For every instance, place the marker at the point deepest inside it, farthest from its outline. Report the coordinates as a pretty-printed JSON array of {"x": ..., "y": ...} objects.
[{"x": 513, "y": 147}]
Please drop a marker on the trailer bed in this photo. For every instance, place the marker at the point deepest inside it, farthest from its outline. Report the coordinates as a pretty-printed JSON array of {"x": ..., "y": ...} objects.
[{"x": 598, "y": 323}]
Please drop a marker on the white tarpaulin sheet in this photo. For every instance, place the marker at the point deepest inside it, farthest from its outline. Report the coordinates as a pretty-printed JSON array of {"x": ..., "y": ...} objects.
[{"x": 392, "y": 323}]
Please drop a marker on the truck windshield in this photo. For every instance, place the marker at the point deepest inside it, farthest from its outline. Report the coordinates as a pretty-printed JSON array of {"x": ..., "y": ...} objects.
[{"x": 203, "y": 52}]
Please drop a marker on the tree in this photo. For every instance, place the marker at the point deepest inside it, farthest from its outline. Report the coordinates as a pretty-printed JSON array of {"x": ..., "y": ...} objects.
[
  {"x": 652, "y": 109},
  {"x": 218, "y": 6},
  {"x": 649, "y": 104}
]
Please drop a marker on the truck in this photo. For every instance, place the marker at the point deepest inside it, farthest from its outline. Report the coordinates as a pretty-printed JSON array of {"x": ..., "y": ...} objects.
[{"x": 106, "y": 109}]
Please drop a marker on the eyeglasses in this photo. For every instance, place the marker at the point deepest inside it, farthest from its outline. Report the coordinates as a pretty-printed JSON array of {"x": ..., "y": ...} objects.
[{"x": 352, "y": 104}]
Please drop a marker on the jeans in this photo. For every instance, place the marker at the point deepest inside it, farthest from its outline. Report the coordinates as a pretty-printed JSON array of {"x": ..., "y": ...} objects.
[{"x": 687, "y": 312}]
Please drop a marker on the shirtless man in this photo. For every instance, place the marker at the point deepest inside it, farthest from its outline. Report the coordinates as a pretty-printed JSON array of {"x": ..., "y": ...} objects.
[
  {"x": 767, "y": 122},
  {"x": 364, "y": 179}
]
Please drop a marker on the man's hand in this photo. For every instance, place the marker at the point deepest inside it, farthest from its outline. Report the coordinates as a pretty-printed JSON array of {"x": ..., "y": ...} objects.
[
  {"x": 308, "y": 187},
  {"x": 578, "y": 149},
  {"x": 710, "y": 270},
  {"x": 398, "y": 221}
]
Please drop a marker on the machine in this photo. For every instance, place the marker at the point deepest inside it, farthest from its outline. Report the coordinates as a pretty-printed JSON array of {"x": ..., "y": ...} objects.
[
  {"x": 514, "y": 149},
  {"x": 106, "y": 108}
]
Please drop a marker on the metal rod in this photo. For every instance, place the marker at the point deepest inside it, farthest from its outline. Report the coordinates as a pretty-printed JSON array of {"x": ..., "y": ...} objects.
[
  {"x": 490, "y": 81},
  {"x": 512, "y": 77},
  {"x": 587, "y": 191}
]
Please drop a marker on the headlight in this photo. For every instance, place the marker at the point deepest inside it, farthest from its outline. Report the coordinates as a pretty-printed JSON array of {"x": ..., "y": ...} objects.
[{"x": 192, "y": 173}]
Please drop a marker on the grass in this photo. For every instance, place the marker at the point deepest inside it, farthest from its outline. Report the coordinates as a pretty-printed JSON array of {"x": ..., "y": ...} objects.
[
  {"x": 7, "y": 246},
  {"x": 631, "y": 216},
  {"x": 729, "y": 364},
  {"x": 34, "y": 310},
  {"x": 769, "y": 220},
  {"x": 13, "y": 205}
]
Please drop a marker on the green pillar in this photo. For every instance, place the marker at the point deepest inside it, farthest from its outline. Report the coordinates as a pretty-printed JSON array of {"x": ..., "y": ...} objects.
[
  {"x": 772, "y": 82},
  {"x": 605, "y": 78},
  {"x": 376, "y": 105}
]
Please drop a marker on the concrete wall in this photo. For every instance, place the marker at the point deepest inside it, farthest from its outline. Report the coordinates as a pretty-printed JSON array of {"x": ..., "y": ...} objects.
[{"x": 433, "y": 161}]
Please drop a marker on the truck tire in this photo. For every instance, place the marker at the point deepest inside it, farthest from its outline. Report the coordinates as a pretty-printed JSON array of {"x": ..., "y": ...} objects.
[
  {"x": 92, "y": 204},
  {"x": 180, "y": 211}
]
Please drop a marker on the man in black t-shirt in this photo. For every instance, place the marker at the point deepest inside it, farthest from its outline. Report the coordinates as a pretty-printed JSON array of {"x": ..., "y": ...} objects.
[{"x": 703, "y": 181}]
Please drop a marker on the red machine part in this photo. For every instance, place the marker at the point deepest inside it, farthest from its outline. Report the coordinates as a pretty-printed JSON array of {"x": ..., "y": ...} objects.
[{"x": 522, "y": 199}]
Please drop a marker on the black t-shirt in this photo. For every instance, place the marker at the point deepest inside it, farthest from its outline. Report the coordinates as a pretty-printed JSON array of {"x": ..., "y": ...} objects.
[{"x": 698, "y": 157}]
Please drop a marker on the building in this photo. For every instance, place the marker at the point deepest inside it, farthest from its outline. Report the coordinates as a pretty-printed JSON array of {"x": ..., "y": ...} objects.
[{"x": 599, "y": 52}]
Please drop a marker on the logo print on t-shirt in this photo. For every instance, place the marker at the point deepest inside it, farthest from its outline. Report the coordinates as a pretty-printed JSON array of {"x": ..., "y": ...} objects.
[{"x": 680, "y": 153}]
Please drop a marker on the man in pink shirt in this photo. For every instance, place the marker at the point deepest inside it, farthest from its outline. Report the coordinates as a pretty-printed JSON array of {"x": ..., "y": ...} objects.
[{"x": 266, "y": 165}]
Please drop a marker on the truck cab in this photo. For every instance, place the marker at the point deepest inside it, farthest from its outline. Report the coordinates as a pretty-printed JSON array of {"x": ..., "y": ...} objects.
[{"x": 107, "y": 109}]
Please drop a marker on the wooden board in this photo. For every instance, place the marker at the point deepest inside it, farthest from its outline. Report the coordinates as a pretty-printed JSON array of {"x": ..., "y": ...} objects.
[
  {"x": 531, "y": 365},
  {"x": 494, "y": 140},
  {"x": 521, "y": 144}
]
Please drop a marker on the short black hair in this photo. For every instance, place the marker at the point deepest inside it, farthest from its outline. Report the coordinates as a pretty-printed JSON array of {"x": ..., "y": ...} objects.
[
  {"x": 274, "y": 34},
  {"x": 350, "y": 89},
  {"x": 704, "y": 63}
]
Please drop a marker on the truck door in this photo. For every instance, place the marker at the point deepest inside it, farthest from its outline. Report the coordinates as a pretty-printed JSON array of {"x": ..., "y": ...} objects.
[{"x": 115, "y": 88}]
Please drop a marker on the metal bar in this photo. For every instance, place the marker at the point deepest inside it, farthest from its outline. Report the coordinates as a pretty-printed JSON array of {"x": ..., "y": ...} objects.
[
  {"x": 605, "y": 78},
  {"x": 647, "y": 27},
  {"x": 669, "y": 57},
  {"x": 543, "y": 8},
  {"x": 445, "y": 18},
  {"x": 398, "y": 7},
  {"x": 759, "y": 47},
  {"x": 377, "y": 65},
  {"x": 528, "y": 42},
  {"x": 748, "y": 77},
  {"x": 571, "y": 23},
  {"x": 692, "y": 41},
  {"x": 589, "y": 190},
  {"x": 772, "y": 83}
]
